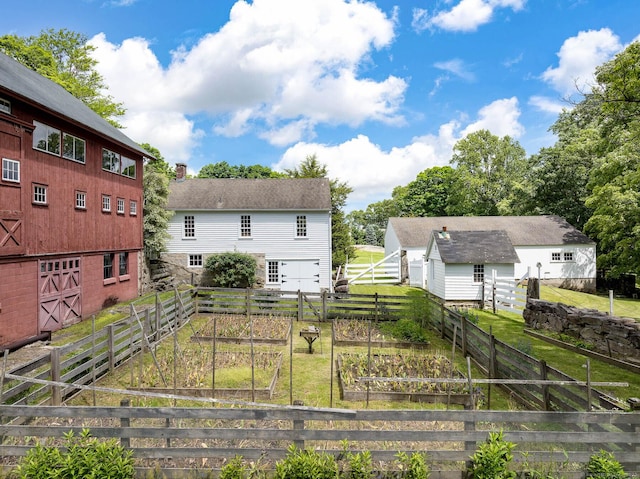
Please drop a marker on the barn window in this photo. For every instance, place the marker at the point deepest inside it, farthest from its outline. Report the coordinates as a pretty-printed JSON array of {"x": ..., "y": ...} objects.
[
  {"x": 5, "y": 106},
  {"x": 46, "y": 138},
  {"x": 40, "y": 194},
  {"x": 110, "y": 161},
  {"x": 81, "y": 200},
  {"x": 195, "y": 260},
  {"x": 478, "y": 273},
  {"x": 301, "y": 226},
  {"x": 123, "y": 264},
  {"x": 73, "y": 148},
  {"x": 273, "y": 272},
  {"x": 106, "y": 203},
  {"x": 189, "y": 226},
  {"x": 133, "y": 208},
  {"x": 568, "y": 256},
  {"x": 120, "y": 206},
  {"x": 10, "y": 170},
  {"x": 556, "y": 256},
  {"x": 245, "y": 226},
  {"x": 128, "y": 167},
  {"x": 108, "y": 265}
]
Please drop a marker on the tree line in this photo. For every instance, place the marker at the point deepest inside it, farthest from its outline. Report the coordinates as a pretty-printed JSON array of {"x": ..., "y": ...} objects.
[{"x": 590, "y": 176}]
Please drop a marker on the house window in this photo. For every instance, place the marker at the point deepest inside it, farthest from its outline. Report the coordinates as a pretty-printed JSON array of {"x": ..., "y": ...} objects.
[
  {"x": 5, "y": 106},
  {"x": 108, "y": 266},
  {"x": 568, "y": 256},
  {"x": 106, "y": 203},
  {"x": 301, "y": 226},
  {"x": 556, "y": 257},
  {"x": 73, "y": 148},
  {"x": 195, "y": 260},
  {"x": 478, "y": 273},
  {"x": 128, "y": 167},
  {"x": 120, "y": 206},
  {"x": 133, "y": 207},
  {"x": 245, "y": 226},
  {"x": 189, "y": 226},
  {"x": 10, "y": 170},
  {"x": 273, "y": 272},
  {"x": 123, "y": 264},
  {"x": 81, "y": 200},
  {"x": 46, "y": 138},
  {"x": 110, "y": 161},
  {"x": 40, "y": 194}
]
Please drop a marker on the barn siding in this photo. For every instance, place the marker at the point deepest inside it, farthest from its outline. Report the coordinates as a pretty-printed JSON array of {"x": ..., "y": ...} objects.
[
  {"x": 459, "y": 280},
  {"x": 122, "y": 289},
  {"x": 18, "y": 301}
]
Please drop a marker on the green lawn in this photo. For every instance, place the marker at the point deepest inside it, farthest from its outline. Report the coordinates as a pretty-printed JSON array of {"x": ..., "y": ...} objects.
[{"x": 621, "y": 306}]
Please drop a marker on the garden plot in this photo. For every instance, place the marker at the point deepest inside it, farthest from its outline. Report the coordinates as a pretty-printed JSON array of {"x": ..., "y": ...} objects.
[
  {"x": 362, "y": 333},
  {"x": 408, "y": 369},
  {"x": 197, "y": 370},
  {"x": 238, "y": 329}
]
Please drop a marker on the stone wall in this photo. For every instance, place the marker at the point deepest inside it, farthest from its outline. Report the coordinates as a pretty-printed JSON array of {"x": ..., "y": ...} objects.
[{"x": 610, "y": 335}]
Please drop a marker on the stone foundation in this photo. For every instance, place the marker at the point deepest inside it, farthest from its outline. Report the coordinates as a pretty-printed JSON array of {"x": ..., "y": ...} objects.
[{"x": 609, "y": 335}]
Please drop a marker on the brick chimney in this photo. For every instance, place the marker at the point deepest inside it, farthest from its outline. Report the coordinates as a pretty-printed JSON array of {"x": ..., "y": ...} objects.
[{"x": 181, "y": 171}]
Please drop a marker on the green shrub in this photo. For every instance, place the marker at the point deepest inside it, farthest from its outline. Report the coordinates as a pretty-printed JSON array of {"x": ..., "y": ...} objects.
[
  {"x": 405, "y": 330},
  {"x": 604, "y": 465},
  {"x": 413, "y": 466},
  {"x": 85, "y": 457},
  {"x": 359, "y": 465},
  {"x": 231, "y": 270},
  {"x": 491, "y": 459},
  {"x": 306, "y": 464},
  {"x": 234, "y": 469}
]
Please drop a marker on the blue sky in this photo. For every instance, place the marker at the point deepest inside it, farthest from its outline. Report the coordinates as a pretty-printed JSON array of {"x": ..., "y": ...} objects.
[{"x": 378, "y": 90}]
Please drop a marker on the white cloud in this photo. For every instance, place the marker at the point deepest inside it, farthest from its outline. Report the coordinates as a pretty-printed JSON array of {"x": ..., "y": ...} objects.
[
  {"x": 578, "y": 58},
  {"x": 373, "y": 172},
  {"x": 288, "y": 63},
  {"x": 547, "y": 105},
  {"x": 466, "y": 16},
  {"x": 457, "y": 67}
]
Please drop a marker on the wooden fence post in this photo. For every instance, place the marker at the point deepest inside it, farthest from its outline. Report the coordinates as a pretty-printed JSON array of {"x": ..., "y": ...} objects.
[
  {"x": 248, "y": 303},
  {"x": 546, "y": 397},
  {"x": 300, "y": 312},
  {"x": 492, "y": 366},
  {"x": 464, "y": 335},
  {"x": 442, "y": 325},
  {"x": 324, "y": 305},
  {"x": 56, "y": 393},
  {"x": 298, "y": 425},
  {"x": 111, "y": 342},
  {"x": 125, "y": 422}
]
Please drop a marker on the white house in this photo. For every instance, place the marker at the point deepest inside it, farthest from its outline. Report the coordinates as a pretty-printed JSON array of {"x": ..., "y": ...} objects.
[
  {"x": 284, "y": 223},
  {"x": 459, "y": 260},
  {"x": 547, "y": 246}
]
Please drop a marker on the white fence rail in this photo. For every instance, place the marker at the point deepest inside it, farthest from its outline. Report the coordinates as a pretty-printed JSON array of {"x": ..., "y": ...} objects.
[
  {"x": 505, "y": 295},
  {"x": 387, "y": 270}
]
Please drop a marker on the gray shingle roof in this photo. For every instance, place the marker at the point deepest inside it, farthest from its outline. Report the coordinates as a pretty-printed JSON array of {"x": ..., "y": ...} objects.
[
  {"x": 250, "y": 194},
  {"x": 34, "y": 88},
  {"x": 544, "y": 230},
  {"x": 475, "y": 247}
]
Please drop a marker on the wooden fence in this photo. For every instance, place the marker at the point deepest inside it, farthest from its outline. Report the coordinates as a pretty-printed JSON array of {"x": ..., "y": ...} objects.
[
  {"x": 504, "y": 295},
  {"x": 198, "y": 439},
  {"x": 499, "y": 360}
]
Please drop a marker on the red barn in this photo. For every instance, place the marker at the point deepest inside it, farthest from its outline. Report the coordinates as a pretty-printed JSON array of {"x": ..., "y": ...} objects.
[{"x": 70, "y": 208}]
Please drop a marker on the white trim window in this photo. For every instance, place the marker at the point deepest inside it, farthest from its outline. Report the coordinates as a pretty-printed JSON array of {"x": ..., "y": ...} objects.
[
  {"x": 245, "y": 226},
  {"x": 39, "y": 194},
  {"x": 189, "y": 226},
  {"x": 120, "y": 206},
  {"x": 10, "y": 170},
  {"x": 106, "y": 203},
  {"x": 556, "y": 256},
  {"x": 478, "y": 273},
  {"x": 195, "y": 261},
  {"x": 301, "y": 226},
  {"x": 273, "y": 272},
  {"x": 568, "y": 256},
  {"x": 5, "y": 106},
  {"x": 73, "y": 148},
  {"x": 133, "y": 207},
  {"x": 46, "y": 138},
  {"x": 81, "y": 200}
]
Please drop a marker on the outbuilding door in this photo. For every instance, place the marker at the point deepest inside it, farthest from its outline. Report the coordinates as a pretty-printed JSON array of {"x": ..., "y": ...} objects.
[
  {"x": 302, "y": 274},
  {"x": 60, "y": 292}
]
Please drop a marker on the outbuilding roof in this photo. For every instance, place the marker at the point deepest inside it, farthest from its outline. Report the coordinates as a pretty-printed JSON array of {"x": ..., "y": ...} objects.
[
  {"x": 542, "y": 230},
  {"x": 250, "y": 194},
  {"x": 475, "y": 247},
  {"x": 33, "y": 88}
]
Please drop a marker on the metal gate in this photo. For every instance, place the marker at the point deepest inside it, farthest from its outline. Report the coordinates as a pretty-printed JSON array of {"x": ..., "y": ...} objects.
[{"x": 59, "y": 292}]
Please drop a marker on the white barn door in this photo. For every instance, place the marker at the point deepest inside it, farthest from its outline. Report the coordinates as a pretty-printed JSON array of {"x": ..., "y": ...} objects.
[{"x": 301, "y": 274}]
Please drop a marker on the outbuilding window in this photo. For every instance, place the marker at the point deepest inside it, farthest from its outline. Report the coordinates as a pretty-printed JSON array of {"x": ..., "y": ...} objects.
[{"x": 478, "y": 273}]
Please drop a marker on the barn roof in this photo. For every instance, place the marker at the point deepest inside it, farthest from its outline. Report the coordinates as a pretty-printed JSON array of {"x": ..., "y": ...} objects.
[
  {"x": 250, "y": 194},
  {"x": 475, "y": 247},
  {"x": 33, "y": 88},
  {"x": 544, "y": 230}
]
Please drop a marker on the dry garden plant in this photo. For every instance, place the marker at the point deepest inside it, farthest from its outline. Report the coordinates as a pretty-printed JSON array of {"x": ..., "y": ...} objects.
[{"x": 239, "y": 326}]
